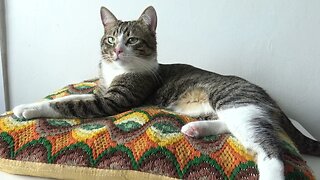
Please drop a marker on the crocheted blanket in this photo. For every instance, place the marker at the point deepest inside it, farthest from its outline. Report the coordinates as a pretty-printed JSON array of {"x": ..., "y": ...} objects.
[{"x": 139, "y": 144}]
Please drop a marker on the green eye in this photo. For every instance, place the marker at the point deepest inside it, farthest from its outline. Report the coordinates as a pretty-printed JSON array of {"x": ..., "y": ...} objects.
[
  {"x": 132, "y": 40},
  {"x": 111, "y": 40}
]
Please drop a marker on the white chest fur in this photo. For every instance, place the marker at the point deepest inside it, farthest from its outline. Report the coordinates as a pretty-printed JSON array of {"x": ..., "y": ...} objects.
[{"x": 109, "y": 72}]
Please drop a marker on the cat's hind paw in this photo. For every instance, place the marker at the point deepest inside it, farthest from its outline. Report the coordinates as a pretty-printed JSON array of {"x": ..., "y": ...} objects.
[{"x": 191, "y": 129}]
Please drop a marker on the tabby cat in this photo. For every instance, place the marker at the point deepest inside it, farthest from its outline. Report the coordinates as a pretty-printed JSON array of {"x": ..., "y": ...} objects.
[{"x": 130, "y": 76}]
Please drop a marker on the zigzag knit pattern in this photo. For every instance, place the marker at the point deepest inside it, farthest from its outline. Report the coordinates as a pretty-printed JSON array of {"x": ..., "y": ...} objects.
[{"x": 146, "y": 139}]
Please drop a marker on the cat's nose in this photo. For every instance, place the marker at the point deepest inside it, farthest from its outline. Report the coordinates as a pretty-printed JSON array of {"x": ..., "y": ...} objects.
[{"x": 118, "y": 50}]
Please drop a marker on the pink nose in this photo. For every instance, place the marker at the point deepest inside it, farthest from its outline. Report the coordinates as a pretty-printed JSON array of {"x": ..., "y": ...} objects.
[{"x": 118, "y": 50}]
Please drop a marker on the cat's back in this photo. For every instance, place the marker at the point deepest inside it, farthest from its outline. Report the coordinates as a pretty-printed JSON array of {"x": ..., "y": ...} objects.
[
  {"x": 190, "y": 75},
  {"x": 181, "y": 71},
  {"x": 178, "y": 79}
]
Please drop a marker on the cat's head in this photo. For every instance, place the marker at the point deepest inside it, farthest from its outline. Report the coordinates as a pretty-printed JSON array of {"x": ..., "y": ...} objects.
[{"x": 130, "y": 45}]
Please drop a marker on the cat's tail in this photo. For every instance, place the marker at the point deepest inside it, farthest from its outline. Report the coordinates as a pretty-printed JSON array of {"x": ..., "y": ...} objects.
[{"x": 304, "y": 144}]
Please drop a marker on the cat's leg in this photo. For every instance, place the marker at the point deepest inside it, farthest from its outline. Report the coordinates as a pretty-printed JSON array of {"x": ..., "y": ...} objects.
[
  {"x": 204, "y": 128},
  {"x": 46, "y": 108},
  {"x": 254, "y": 129}
]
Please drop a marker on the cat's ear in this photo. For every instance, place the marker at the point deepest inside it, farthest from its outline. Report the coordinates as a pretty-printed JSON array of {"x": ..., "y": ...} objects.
[
  {"x": 107, "y": 17},
  {"x": 149, "y": 16}
]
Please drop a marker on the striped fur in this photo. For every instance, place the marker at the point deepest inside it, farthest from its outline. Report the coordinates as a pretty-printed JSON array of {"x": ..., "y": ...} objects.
[{"x": 130, "y": 76}]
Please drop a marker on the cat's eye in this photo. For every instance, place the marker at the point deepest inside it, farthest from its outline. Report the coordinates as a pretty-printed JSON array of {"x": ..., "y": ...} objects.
[
  {"x": 132, "y": 40},
  {"x": 111, "y": 40}
]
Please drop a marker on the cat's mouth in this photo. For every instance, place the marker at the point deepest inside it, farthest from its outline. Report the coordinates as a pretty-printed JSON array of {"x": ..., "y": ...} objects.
[
  {"x": 112, "y": 58},
  {"x": 118, "y": 58}
]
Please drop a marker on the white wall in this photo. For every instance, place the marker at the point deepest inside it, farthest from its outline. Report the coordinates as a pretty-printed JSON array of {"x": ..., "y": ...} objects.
[
  {"x": 2, "y": 56},
  {"x": 275, "y": 44},
  {"x": 2, "y": 101}
]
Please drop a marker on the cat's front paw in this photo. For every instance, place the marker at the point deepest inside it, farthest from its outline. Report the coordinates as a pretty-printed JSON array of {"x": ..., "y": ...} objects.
[
  {"x": 191, "y": 129},
  {"x": 27, "y": 111}
]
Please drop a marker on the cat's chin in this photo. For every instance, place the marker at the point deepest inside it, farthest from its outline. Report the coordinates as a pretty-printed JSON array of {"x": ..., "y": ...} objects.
[
  {"x": 121, "y": 63},
  {"x": 124, "y": 65},
  {"x": 133, "y": 64}
]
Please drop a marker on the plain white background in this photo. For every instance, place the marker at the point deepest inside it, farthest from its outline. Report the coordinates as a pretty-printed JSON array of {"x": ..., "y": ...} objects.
[
  {"x": 2, "y": 26},
  {"x": 2, "y": 103},
  {"x": 275, "y": 44}
]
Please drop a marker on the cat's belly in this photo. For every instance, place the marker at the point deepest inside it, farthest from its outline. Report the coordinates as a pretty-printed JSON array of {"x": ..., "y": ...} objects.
[{"x": 194, "y": 102}]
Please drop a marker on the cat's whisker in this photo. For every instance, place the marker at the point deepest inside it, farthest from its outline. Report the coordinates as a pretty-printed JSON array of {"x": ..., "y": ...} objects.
[
  {"x": 148, "y": 69},
  {"x": 151, "y": 69},
  {"x": 155, "y": 75},
  {"x": 106, "y": 57}
]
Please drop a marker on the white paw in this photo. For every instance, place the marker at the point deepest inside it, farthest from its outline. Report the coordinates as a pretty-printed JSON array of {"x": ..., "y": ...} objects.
[
  {"x": 191, "y": 129},
  {"x": 27, "y": 111},
  {"x": 270, "y": 169}
]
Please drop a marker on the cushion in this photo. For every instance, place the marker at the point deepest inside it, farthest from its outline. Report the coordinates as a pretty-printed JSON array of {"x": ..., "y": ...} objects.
[{"x": 143, "y": 143}]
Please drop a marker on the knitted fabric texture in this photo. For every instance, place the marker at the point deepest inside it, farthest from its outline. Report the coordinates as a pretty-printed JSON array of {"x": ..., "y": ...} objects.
[{"x": 145, "y": 139}]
